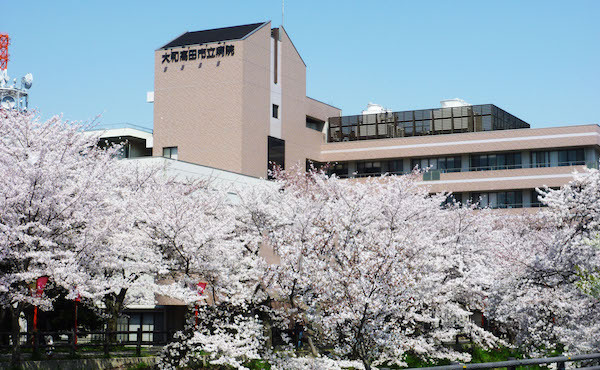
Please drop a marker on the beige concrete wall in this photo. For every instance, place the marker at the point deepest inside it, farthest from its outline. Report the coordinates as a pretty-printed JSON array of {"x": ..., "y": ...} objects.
[
  {"x": 206, "y": 112},
  {"x": 219, "y": 116},
  {"x": 464, "y": 143},
  {"x": 256, "y": 106},
  {"x": 300, "y": 142},
  {"x": 321, "y": 111},
  {"x": 293, "y": 97}
]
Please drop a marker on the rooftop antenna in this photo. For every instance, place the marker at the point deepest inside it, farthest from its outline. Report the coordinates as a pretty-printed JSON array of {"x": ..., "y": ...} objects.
[
  {"x": 12, "y": 96},
  {"x": 282, "y": 6},
  {"x": 4, "y": 42}
]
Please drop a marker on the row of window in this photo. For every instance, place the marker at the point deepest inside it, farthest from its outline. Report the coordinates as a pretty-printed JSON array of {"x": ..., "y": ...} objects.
[
  {"x": 486, "y": 162},
  {"x": 367, "y": 131},
  {"x": 426, "y": 114},
  {"x": 444, "y": 164},
  {"x": 477, "y": 162},
  {"x": 498, "y": 199},
  {"x": 422, "y": 122}
]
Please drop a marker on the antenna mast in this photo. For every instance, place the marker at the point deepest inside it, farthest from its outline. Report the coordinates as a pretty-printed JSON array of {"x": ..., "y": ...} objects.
[
  {"x": 4, "y": 42},
  {"x": 11, "y": 95},
  {"x": 282, "y": 6}
]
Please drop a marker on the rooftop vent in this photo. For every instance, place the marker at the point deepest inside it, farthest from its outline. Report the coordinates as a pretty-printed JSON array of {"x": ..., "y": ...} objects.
[
  {"x": 456, "y": 102},
  {"x": 373, "y": 108}
]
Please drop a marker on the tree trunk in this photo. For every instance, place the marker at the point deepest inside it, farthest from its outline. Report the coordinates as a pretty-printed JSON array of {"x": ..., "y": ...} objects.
[
  {"x": 313, "y": 349},
  {"x": 114, "y": 305},
  {"x": 15, "y": 360},
  {"x": 367, "y": 364}
]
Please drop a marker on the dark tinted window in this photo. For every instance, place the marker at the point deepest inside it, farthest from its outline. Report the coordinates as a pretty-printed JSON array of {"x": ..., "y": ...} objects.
[{"x": 275, "y": 153}]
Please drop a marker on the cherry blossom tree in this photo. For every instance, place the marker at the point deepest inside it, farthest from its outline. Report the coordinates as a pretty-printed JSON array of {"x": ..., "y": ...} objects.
[
  {"x": 197, "y": 227},
  {"x": 372, "y": 269},
  {"x": 51, "y": 182},
  {"x": 538, "y": 300},
  {"x": 123, "y": 265}
]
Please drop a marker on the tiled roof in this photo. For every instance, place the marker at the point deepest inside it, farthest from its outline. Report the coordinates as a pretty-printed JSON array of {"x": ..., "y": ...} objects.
[{"x": 214, "y": 35}]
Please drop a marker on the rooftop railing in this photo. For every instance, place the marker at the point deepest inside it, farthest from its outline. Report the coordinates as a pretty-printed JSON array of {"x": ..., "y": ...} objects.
[{"x": 115, "y": 126}]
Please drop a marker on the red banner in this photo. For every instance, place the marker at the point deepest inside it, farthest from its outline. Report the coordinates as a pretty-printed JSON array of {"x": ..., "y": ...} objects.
[
  {"x": 201, "y": 287},
  {"x": 40, "y": 285}
]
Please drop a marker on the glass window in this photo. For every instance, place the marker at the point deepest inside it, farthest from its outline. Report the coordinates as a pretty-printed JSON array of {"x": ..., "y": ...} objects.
[
  {"x": 540, "y": 159},
  {"x": 369, "y": 168},
  {"x": 335, "y": 134},
  {"x": 419, "y": 128},
  {"x": 447, "y": 124},
  {"x": 517, "y": 160},
  {"x": 275, "y": 153},
  {"x": 335, "y": 121},
  {"x": 457, "y": 124},
  {"x": 275, "y": 111},
  {"x": 433, "y": 163},
  {"x": 502, "y": 199},
  {"x": 493, "y": 200},
  {"x": 563, "y": 158},
  {"x": 395, "y": 166},
  {"x": 478, "y": 123},
  {"x": 170, "y": 152},
  {"x": 408, "y": 129},
  {"x": 427, "y": 126},
  {"x": 487, "y": 123},
  {"x": 475, "y": 162},
  {"x": 492, "y": 161},
  {"x": 314, "y": 124},
  {"x": 571, "y": 157},
  {"x": 339, "y": 169}
]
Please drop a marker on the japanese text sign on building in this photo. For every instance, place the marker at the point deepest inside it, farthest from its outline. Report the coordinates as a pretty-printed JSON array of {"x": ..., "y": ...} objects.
[{"x": 195, "y": 54}]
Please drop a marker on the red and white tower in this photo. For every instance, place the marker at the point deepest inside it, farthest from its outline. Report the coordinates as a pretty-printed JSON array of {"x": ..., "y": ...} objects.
[
  {"x": 12, "y": 96},
  {"x": 4, "y": 42}
]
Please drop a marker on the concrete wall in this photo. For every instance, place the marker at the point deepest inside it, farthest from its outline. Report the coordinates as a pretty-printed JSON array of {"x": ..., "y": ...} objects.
[
  {"x": 200, "y": 108},
  {"x": 220, "y": 115},
  {"x": 300, "y": 142},
  {"x": 256, "y": 103}
]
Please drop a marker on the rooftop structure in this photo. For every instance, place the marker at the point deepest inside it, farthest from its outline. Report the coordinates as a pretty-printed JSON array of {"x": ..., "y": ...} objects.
[{"x": 451, "y": 119}]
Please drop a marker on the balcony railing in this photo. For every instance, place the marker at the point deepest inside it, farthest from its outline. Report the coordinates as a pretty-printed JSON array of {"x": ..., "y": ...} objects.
[{"x": 474, "y": 169}]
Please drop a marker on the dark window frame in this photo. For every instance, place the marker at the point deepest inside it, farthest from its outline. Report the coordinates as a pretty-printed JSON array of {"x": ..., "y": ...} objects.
[{"x": 169, "y": 150}]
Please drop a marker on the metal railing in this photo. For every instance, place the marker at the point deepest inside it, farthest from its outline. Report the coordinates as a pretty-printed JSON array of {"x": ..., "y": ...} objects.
[
  {"x": 475, "y": 169},
  {"x": 82, "y": 341},
  {"x": 513, "y": 364},
  {"x": 112, "y": 126}
]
